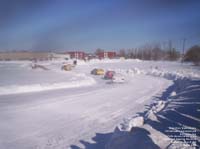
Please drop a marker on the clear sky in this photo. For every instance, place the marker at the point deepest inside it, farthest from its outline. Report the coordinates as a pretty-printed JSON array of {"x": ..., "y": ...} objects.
[{"x": 91, "y": 24}]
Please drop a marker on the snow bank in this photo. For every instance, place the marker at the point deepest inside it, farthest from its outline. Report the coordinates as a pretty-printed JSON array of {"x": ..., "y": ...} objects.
[
  {"x": 129, "y": 123},
  {"x": 151, "y": 115},
  {"x": 130, "y": 72},
  {"x": 157, "y": 107},
  {"x": 173, "y": 93},
  {"x": 125, "y": 134},
  {"x": 156, "y": 72},
  {"x": 138, "y": 121},
  {"x": 96, "y": 61},
  {"x": 73, "y": 83},
  {"x": 175, "y": 75},
  {"x": 126, "y": 127}
]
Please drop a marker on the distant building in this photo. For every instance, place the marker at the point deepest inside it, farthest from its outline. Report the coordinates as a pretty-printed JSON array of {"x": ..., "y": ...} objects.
[
  {"x": 77, "y": 54},
  {"x": 91, "y": 56},
  {"x": 108, "y": 54},
  {"x": 63, "y": 56},
  {"x": 25, "y": 55}
]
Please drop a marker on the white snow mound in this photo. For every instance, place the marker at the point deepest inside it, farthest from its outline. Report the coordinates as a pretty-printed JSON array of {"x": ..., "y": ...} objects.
[
  {"x": 173, "y": 93},
  {"x": 16, "y": 89},
  {"x": 151, "y": 115},
  {"x": 128, "y": 124},
  {"x": 136, "y": 122}
]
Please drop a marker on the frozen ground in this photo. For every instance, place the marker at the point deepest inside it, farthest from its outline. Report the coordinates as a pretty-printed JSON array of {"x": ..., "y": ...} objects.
[{"x": 58, "y": 109}]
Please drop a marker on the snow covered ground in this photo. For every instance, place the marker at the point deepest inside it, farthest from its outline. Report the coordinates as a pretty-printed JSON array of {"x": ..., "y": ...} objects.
[{"x": 60, "y": 109}]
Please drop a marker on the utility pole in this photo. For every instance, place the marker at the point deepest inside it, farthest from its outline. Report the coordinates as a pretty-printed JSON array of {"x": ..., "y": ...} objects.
[{"x": 184, "y": 40}]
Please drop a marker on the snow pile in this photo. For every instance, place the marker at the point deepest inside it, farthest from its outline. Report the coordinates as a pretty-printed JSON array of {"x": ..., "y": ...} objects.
[
  {"x": 96, "y": 61},
  {"x": 164, "y": 74},
  {"x": 124, "y": 129},
  {"x": 80, "y": 62},
  {"x": 133, "y": 60},
  {"x": 156, "y": 72},
  {"x": 159, "y": 106},
  {"x": 173, "y": 93},
  {"x": 75, "y": 82},
  {"x": 134, "y": 71},
  {"x": 127, "y": 72},
  {"x": 179, "y": 77},
  {"x": 136, "y": 122},
  {"x": 128, "y": 124},
  {"x": 172, "y": 75},
  {"x": 151, "y": 114}
]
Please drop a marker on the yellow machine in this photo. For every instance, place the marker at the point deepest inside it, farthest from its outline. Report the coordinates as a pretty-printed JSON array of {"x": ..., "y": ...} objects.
[
  {"x": 100, "y": 72},
  {"x": 67, "y": 67},
  {"x": 97, "y": 71}
]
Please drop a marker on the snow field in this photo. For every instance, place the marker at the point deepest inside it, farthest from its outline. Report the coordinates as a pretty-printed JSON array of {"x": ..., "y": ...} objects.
[
  {"x": 78, "y": 82},
  {"x": 20, "y": 78},
  {"x": 76, "y": 105}
]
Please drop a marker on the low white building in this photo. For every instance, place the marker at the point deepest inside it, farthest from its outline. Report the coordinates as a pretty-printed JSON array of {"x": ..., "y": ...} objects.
[{"x": 61, "y": 56}]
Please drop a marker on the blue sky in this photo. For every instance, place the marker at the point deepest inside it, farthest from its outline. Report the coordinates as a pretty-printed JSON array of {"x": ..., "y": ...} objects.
[{"x": 91, "y": 24}]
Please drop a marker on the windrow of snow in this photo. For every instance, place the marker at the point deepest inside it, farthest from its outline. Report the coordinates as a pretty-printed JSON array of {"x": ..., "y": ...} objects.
[
  {"x": 97, "y": 61},
  {"x": 175, "y": 75},
  {"x": 151, "y": 114},
  {"x": 138, "y": 121},
  {"x": 129, "y": 123},
  {"x": 75, "y": 82}
]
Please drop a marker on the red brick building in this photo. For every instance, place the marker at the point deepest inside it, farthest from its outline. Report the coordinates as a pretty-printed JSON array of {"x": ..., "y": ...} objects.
[
  {"x": 77, "y": 54},
  {"x": 110, "y": 54}
]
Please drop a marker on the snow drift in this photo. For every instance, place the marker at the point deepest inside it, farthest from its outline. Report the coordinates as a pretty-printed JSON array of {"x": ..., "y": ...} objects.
[{"x": 73, "y": 83}]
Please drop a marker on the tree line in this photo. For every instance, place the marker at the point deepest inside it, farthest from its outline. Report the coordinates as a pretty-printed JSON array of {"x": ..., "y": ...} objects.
[
  {"x": 193, "y": 55},
  {"x": 151, "y": 52},
  {"x": 157, "y": 52}
]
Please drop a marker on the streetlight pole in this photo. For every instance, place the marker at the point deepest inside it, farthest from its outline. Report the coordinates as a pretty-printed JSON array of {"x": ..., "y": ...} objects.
[{"x": 184, "y": 40}]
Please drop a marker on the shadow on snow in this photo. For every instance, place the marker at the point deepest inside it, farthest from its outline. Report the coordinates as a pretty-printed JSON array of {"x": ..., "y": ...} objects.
[
  {"x": 137, "y": 138},
  {"x": 182, "y": 110}
]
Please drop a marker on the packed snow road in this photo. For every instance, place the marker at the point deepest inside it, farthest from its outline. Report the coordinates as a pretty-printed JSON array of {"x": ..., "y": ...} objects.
[
  {"x": 61, "y": 117},
  {"x": 35, "y": 120}
]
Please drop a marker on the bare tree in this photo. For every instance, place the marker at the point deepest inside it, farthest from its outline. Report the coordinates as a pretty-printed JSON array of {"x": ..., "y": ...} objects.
[
  {"x": 193, "y": 55},
  {"x": 122, "y": 53},
  {"x": 99, "y": 51}
]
